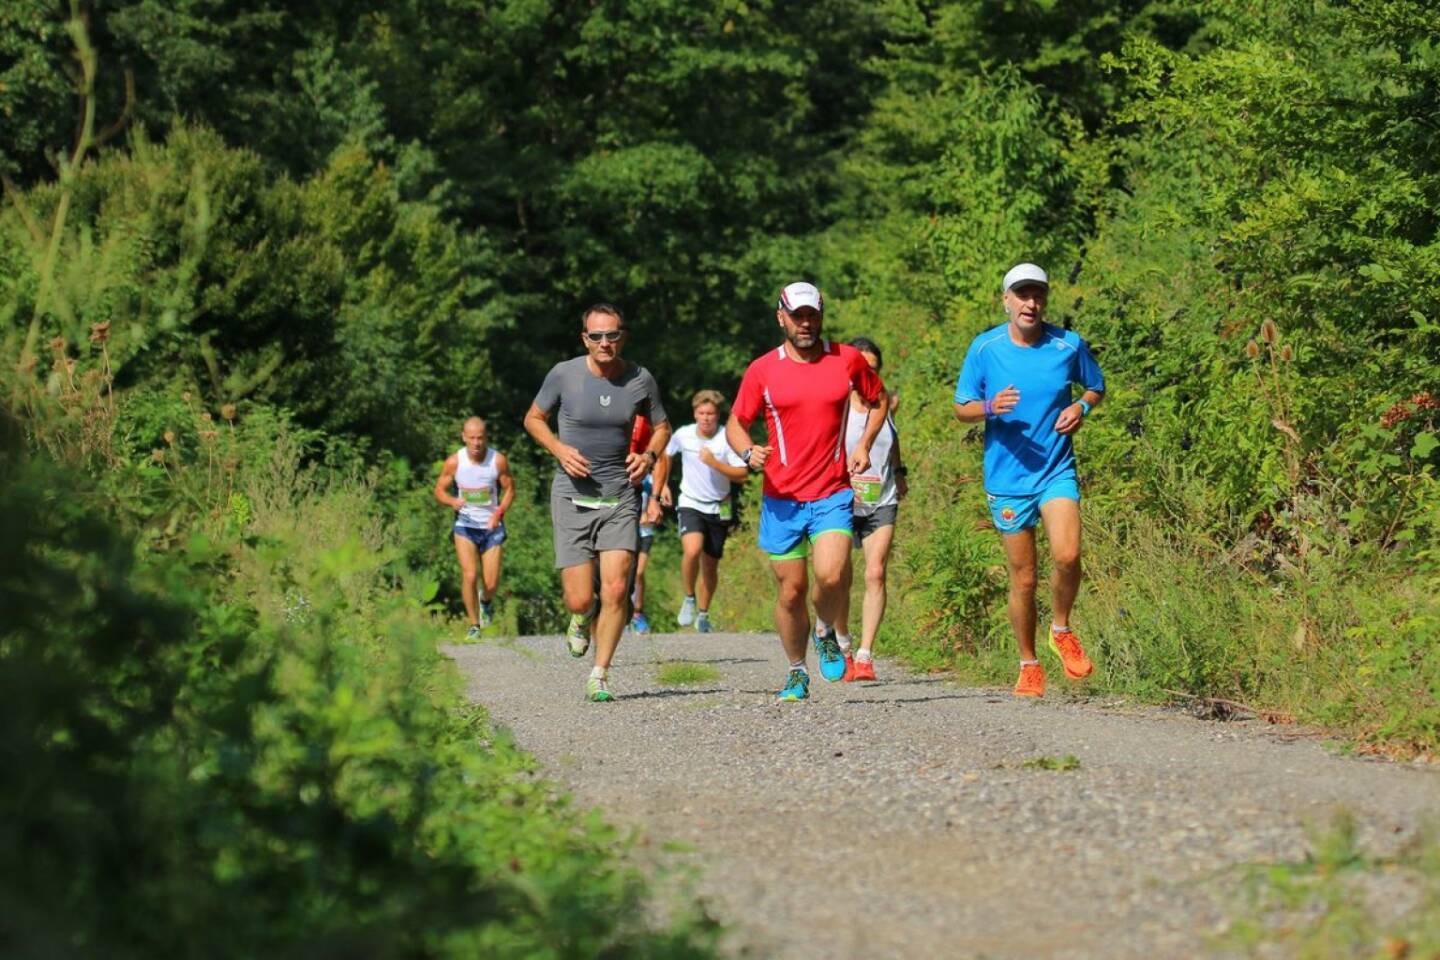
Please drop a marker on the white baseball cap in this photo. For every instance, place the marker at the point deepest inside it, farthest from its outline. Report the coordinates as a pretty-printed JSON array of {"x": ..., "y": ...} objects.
[
  {"x": 1024, "y": 273},
  {"x": 801, "y": 294}
]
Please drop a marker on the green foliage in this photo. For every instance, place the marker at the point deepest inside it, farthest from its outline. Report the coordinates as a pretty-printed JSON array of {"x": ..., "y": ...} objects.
[
  {"x": 1063, "y": 764},
  {"x": 247, "y": 743}
]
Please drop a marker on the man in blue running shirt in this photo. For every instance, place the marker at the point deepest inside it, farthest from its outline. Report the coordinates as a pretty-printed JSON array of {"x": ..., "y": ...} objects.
[{"x": 1018, "y": 380}]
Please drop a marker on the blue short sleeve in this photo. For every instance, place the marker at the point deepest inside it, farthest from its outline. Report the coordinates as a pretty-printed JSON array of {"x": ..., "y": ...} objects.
[
  {"x": 1087, "y": 372},
  {"x": 971, "y": 383}
]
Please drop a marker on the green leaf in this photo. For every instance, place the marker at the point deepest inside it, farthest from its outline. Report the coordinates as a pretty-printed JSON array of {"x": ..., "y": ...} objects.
[{"x": 1424, "y": 445}]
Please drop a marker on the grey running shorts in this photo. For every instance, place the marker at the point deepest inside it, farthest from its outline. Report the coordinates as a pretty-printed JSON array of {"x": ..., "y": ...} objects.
[
  {"x": 582, "y": 533},
  {"x": 868, "y": 524}
]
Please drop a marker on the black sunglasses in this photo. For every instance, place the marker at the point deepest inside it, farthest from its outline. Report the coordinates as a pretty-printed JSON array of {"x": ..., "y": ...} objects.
[{"x": 600, "y": 335}]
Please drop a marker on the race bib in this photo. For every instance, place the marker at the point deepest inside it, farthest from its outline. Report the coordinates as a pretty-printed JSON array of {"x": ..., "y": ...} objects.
[
  {"x": 596, "y": 503},
  {"x": 478, "y": 496},
  {"x": 868, "y": 488},
  {"x": 727, "y": 510}
]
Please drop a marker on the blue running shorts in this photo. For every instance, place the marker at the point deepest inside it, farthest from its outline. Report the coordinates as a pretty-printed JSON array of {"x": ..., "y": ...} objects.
[
  {"x": 788, "y": 527},
  {"x": 1016, "y": 514},
  {"x": 482, "y": 538}
]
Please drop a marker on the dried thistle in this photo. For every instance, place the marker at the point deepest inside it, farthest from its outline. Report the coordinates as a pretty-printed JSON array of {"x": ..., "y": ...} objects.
[
  {"x": 170, "y": 437},
  {"x": 1269, "y": 332},
  {"x": 185, "y": 396},
  {"x": 100, "y": 332},
  {"x": 57, "y": 346},
  {"x": 1252, "y": 349},
  {"x": 205, "y": 417},
  {"x": 228, "y": 411},
  {"x": 1286, "y": 353},
  {"x": 208, "y": 436},
  {"x": 157, "y": 455}
]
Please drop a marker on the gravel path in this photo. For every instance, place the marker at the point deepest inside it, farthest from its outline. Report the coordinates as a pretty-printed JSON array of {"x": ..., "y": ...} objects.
[{"x": 898, "y": 818}]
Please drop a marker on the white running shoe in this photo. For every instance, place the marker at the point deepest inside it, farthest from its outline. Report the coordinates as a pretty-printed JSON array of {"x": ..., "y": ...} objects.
[{"x": 686, "y": 616}]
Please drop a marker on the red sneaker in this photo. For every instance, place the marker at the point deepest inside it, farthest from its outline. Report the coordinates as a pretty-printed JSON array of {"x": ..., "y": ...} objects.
[
  {"x": 1072, "y": 655},
  {"x": 849, "y": 667},
  {"x": 864, "y": 670},
  {"x": 1031, "y": 682}
]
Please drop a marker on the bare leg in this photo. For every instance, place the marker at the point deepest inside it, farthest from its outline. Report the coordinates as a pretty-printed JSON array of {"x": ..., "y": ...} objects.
[
  {"x": 792, "y": 619},
  {"x": 637, "y": 596},
  {"x": 468, "y": 555},
  {"x": 1062, "y": 529},
  {"x": 832, "y": 561},
  {"x": 578, "y": 584},
  {"x": 614, "y": 603},
  {"x": 709, "y": 579},
  {"x": 1020, "y": 559},
  {"x": 690, "y": 543},
  {"x": 877, "y": 559},
  {"x": 490, "y": 570},
  {"x": 843, "y": 624}
]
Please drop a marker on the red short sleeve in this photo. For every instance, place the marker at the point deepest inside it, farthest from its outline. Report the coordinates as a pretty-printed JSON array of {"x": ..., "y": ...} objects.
[
  {"x": 749, "y": 397},
  {"x": 865, "y": 380}
]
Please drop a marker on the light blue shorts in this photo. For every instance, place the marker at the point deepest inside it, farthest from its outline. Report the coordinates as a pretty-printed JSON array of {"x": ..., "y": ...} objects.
[
  {"x": 1016, "y": 514},
  {"x": 788, "y": 527}
]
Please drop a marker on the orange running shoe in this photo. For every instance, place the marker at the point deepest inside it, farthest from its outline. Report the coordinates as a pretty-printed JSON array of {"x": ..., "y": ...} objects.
[
  {"x": 1065, "y": 643},
  {"x": 849, "y": 667},
  {"x": 863, "y": 670},
  {"x": 1031, "y": 682}
]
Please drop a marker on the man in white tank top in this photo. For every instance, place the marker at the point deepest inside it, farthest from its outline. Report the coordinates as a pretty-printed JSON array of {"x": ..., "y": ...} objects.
[
  {"x": 483, "y": 491},
  {"x": 878, "y": 492}
]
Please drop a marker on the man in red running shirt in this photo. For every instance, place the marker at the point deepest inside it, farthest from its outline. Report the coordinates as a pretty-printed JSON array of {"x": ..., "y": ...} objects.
[{"x": 803, "y": 387}]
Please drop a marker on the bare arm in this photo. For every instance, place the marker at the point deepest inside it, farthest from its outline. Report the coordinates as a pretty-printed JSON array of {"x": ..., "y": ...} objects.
[
  {"x": 507, "y": 489},
  {"x": 537, "y": 424},
  {"x": 737, "y": 434},
  {"x": 860, "y": 456},
  {"x": 445, "y": 481},
  {"x": 732, "y": 473},
  {"x": 1070, "y": 418},
  {"x": 972, "y": 411}
]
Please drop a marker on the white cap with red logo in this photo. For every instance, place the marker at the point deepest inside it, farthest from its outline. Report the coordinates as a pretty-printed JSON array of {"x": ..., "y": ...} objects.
[{"x": 801, "y": 294}]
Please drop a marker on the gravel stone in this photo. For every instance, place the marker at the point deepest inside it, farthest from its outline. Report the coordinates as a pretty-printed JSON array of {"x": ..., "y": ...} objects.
[{"x": 898, "y": 818}]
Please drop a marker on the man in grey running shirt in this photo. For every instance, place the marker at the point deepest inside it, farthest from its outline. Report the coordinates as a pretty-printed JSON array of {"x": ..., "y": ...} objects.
[{"x": 594, "y": 498}]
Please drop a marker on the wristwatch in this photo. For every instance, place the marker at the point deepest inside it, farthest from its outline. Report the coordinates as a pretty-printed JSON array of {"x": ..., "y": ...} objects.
[
  {"x": 1084, "y": 407},
  {"x": 745, "y": 458},
  {"x": 652, "y": 455}
]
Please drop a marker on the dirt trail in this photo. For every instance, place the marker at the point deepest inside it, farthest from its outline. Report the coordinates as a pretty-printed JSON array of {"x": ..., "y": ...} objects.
[{"x": 900, "y": 818}]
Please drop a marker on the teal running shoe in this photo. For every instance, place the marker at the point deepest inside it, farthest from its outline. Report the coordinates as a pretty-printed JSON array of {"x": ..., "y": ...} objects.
[
  {"x": 832, "y": 661},
  {"x": 639, "y": 623},
  {"x": 578, "y": 635},
  {"x": 487, "y": 613},
  {"x": 597, "y": 690},
  {"x": 797, "y": 686},
  {"x": 473, "y": 633},
  {"x": 702, "y": 622}
]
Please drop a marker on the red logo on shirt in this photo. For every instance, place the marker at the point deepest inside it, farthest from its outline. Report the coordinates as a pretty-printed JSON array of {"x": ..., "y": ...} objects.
[{"x": 1007, "y": 514}]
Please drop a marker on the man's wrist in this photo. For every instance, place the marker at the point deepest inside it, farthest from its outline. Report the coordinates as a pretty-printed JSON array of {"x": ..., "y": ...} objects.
[
  {"x": 1085, "y": 408},
  {"x": 988, "y": 406}
]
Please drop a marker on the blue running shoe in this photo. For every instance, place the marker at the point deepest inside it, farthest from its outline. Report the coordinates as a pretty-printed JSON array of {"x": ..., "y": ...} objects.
[
  {"x": 702, "y": 622},
  {"x": 797, "y": 686},
  {"x": 473, "y": 633},
  {"x": 639, "y": 624},
  {"x": 832, "y": 661}
]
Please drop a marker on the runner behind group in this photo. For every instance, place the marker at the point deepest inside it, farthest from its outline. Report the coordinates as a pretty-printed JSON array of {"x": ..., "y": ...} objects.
[
  {"x": 1017, "y": 379},
  {"x": 803, "y": 389},
  {"x": 708, "y": 467},
  {"x": 878, "y": 493},
  {"x": 484, "y": 491},
  {"x": 650, "y": 516},
  {"x": 594, "y": 497}
]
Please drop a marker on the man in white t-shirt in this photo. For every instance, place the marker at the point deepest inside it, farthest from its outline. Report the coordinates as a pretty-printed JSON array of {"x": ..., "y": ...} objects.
[{"x": 708, "y": 467}]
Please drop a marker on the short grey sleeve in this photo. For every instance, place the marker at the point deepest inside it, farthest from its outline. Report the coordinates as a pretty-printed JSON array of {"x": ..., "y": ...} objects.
[
  {"x": 549, "y": 396},
  {"x": 651, "y": 391}
]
